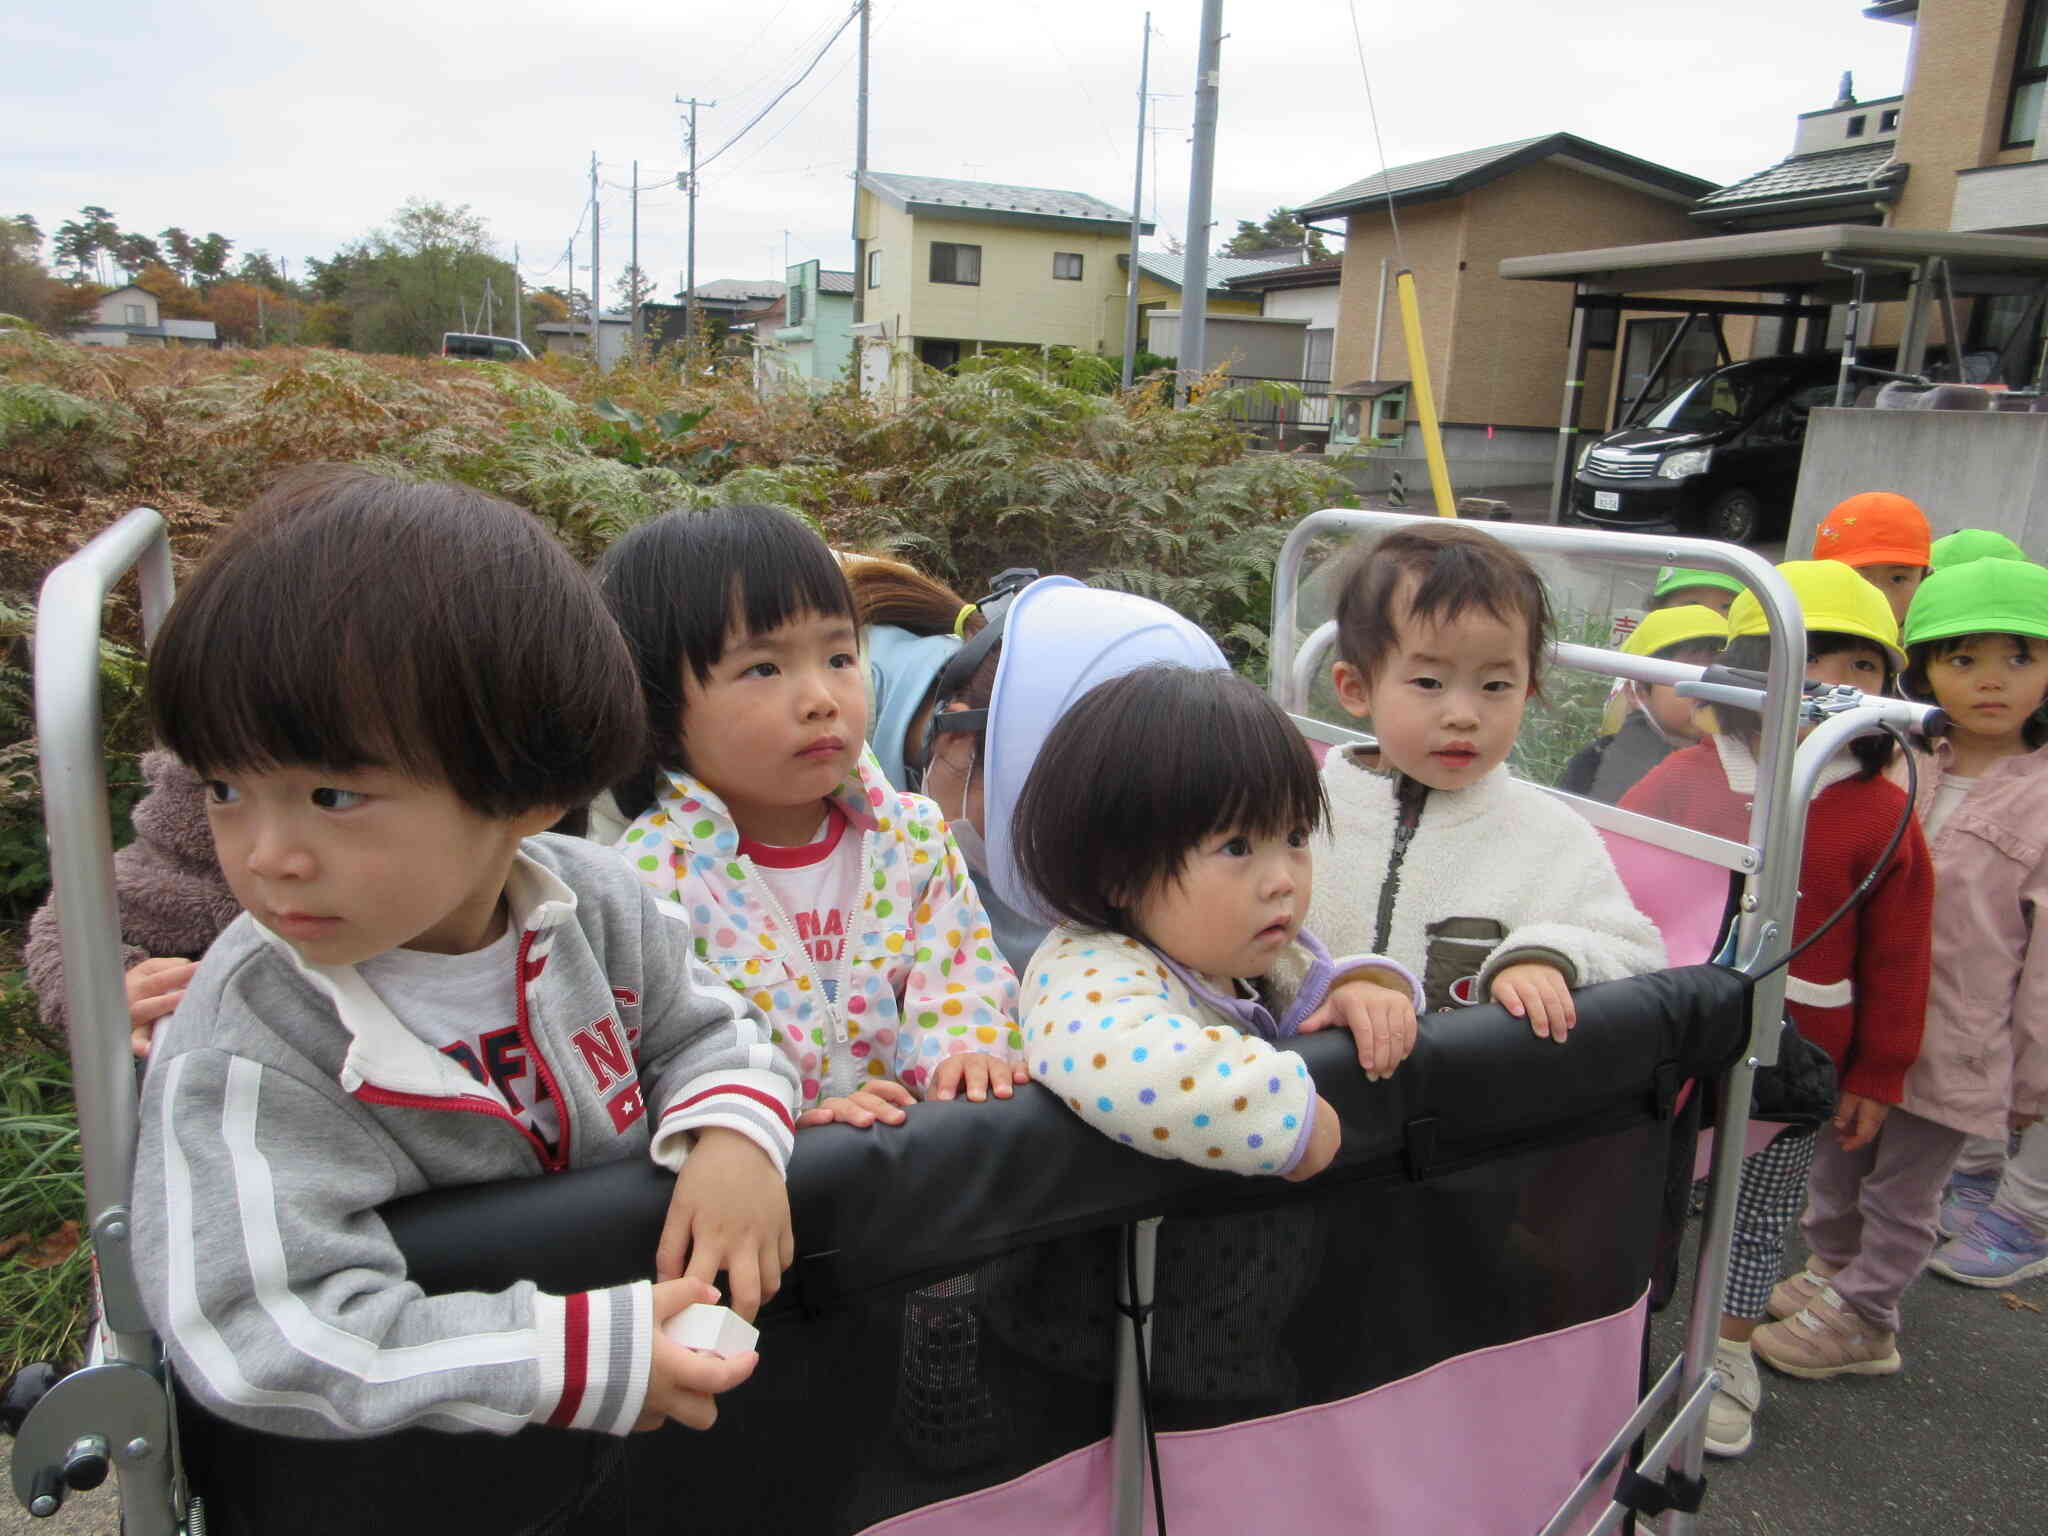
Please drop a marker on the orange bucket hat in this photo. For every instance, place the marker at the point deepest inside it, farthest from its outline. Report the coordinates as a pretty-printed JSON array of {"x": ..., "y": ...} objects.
[{"x": 1875, "y": 528}]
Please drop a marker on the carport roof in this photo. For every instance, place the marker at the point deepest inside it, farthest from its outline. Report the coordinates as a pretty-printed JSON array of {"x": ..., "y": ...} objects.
[{"x": 1787, "y": 260}]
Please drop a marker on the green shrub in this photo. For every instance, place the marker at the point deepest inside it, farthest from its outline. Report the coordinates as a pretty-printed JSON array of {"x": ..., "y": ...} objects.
[{"x": 43, "y": 1310}]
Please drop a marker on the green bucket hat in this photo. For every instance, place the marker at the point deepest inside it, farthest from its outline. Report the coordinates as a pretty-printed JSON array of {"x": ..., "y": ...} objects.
[
  {"x": 1674, "y": 578},
  {"x": 1967, "y": 544},
  {"x": 1984, "y": 597}
]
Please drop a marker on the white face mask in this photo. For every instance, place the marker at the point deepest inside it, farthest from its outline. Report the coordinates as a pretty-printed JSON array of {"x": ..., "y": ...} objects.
[{"x": 972, "y": 848}]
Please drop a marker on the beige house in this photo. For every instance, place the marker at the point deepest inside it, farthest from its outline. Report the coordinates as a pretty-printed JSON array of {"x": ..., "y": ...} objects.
[
  {"x": 1495, "y": 348},
  {"x": 1964, "y": 148},
  {"x": 131, "y": 317},
  {"x": 953, "y": 268}
]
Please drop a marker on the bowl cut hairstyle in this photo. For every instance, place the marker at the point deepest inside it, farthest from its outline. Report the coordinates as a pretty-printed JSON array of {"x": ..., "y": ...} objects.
[
  {"x": 353, "y": 621},
  {"x": 684, "y": 585},
  {"x": 1144, "y": 769},
  {"x": 1916, "y": 684},
  {"x": 1432, "y": 573},
  {"x": 1752, "y": 653}
]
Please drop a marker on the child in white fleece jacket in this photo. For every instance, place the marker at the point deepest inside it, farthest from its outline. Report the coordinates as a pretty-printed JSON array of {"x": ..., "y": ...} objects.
[
  {"x": 1160, "y": 1006},
  {"x": 1483, "y": 884}
]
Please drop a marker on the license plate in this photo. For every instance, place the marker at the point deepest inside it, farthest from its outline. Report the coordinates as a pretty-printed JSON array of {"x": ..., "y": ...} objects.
[{"x": 1607, "y": 501}]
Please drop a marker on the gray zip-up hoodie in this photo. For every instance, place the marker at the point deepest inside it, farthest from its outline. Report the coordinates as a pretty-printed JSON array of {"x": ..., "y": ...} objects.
[{"x": 285, "y": 1103}]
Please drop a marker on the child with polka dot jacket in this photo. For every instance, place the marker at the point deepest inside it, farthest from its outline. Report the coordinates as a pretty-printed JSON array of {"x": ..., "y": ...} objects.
[
  {"x": 1160, "y": 1006},
  {"x": 840, "y": 906}
]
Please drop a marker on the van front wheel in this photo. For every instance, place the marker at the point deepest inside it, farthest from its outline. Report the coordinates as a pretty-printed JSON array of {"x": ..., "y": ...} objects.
[{"x": 1735, "y": 518}]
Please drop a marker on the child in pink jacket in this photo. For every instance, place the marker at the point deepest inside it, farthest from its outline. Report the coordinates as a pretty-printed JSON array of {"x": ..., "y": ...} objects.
[
  {"x": 1977, "y": 639},
  {"x": 1987, "y": 820}
]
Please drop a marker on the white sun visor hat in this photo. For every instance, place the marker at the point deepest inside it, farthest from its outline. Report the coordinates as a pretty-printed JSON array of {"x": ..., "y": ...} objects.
[{"x": 1060, "y": 639}]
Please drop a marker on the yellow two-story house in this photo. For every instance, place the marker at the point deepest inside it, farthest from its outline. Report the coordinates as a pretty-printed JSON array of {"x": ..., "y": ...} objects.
[{"x": 947, "y": 269}]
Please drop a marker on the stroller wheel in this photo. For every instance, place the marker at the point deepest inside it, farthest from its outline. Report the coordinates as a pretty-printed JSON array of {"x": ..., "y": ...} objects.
[{"x": 25, "y": 1388}]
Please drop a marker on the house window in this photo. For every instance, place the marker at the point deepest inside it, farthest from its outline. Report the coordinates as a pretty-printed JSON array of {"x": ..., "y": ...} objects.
[
  {"x": 1888, "y": 120},
  {"x": 874, "y": 269},
  {"x": 939, "y": 354},
  {"x": 955, "y": 263},
  {"x": 1315, "y": 365},
  {"x": 1856, "y": 126},
  {"x": 2029, "y": 75},
  {"x": 134, "y": 314},
  {"x": 796, "y": 305},
  {"x": 1067, "y": 264}
]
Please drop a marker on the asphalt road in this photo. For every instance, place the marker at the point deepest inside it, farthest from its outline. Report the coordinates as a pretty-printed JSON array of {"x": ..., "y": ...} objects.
[{"x": 1956, "y": 1442}]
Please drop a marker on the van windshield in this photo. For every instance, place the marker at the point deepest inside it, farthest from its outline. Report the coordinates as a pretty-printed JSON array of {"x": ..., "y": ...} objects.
[{"x": 1713, "y": 401}]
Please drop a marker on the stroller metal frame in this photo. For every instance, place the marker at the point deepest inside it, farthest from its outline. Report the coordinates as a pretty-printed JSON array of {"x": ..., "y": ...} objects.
[{"x": 1787, "y": 772}]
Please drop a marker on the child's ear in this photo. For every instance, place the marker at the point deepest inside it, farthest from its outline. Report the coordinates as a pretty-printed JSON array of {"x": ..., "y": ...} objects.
[
  {"x": 1352, "y": 691},
  {"x": 539, "y": 819}
]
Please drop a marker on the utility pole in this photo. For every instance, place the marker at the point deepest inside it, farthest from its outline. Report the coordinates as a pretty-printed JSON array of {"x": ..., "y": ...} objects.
[
  {"x": 690, "y": 246},
  {"x": 639, "y": 324},
  {"x": 596, "y": 303},
  {"x": 860, "y": 169},
  {"x": 1137, "y": 216},
  {"x": 1194, "y": 276},
  {"x": 518, "y": 297}
]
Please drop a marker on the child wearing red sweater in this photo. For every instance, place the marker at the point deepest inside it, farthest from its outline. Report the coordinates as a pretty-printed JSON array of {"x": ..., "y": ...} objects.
[{"x": 1860, "y": 993}]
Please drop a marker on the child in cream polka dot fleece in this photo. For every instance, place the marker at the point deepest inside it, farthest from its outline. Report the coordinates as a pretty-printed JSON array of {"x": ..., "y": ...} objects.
[
  {"x": 1160, "y": 1007},
  {"x": 841, "y": 907}
]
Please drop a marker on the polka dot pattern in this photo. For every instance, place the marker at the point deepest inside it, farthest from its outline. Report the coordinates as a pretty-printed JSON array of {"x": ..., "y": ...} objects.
[
  {"x": 1143, "y": 1062},
  {"x": 923, "y": 981}
]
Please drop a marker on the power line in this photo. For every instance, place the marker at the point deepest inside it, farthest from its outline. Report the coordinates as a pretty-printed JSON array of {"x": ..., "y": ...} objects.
[
  {"x": 1386, "y": 181},
  {"x": 803, "y": 46},
  {"x": 830, "y": 81},
  {"x": 799, "y": 80}
]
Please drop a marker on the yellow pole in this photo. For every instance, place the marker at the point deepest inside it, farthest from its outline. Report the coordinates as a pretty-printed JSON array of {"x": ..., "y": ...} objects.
[{"x": 1425, "y": 402}]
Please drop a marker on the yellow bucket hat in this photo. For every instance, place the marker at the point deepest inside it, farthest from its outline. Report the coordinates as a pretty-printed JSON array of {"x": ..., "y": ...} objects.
[{"x": 1832, "y": 599}]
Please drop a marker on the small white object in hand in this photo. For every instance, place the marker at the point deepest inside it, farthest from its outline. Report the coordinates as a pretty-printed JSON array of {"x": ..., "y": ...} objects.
[{"x": 714, "y": 1329}]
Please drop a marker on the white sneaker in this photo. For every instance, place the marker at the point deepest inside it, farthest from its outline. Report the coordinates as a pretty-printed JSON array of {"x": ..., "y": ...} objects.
[{"x": 1732, "y": 1413}]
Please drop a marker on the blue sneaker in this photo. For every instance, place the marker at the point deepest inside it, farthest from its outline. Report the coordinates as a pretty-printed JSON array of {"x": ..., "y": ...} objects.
[
  {"x": 2000, "y": 1250},
  {"x": 1966, "y": 1195}
]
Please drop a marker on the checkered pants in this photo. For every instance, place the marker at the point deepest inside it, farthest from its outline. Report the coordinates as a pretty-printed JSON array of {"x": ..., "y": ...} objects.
[{"x": 1772, "y": 1191}]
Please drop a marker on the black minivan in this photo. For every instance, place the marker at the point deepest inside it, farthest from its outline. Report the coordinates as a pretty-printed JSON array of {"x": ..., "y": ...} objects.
[{"x": 1718, "y": 456}]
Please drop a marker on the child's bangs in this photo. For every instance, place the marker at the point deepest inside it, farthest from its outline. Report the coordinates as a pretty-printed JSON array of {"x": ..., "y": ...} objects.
[
  {"x": 793, "y": 576},
  {"x": 272, "y": 685},
  {"x": 1257, "y": 774}
]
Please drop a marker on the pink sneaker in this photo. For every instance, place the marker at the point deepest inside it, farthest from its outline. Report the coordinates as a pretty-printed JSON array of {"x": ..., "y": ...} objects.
[
  {"x": 1824, "y": 1338},
  {"x": 1793, "y": 1292}
]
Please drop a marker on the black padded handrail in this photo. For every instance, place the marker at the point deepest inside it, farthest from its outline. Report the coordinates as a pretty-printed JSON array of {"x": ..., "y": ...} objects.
[{"x": 961, "y": 1182}]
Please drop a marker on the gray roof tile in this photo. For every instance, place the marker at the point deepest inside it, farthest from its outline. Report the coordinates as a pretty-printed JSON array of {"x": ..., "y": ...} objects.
[
  {"x": 1168, "y": 266},
  {"x": 996, "y": 197},
  {"x": 1831, "y": 170},
  {"x": 1420, "y": 175},
  {"x": 1471, "y": 167}
]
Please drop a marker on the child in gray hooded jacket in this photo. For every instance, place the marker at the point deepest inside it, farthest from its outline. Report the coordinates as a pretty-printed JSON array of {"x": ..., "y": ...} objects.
[{"x": 391, "y": 690}]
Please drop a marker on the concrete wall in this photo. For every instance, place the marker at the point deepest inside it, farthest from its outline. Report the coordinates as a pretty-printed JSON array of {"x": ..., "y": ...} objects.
[
  {"x": 1512, "y": 456},
  {"x": 1829, "y": 128},
  {"x": 1966, "y": 469},
  {"x": 1253, "y": 345},
  {"x": 1154, "y": 296}
]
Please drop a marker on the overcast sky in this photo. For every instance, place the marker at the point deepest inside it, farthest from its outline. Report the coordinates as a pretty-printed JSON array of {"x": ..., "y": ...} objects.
[{"x": 295, "y": 129}]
